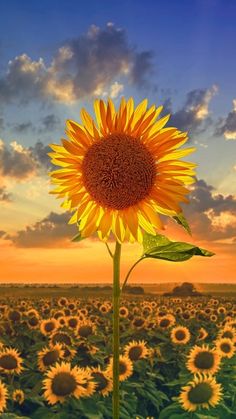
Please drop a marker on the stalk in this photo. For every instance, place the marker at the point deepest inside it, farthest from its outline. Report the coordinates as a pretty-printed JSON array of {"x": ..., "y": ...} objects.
[{"x": 116, "y": 331}]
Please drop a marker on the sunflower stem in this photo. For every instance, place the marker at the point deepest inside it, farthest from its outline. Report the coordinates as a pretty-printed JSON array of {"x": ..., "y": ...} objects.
[
  {"x": 109, "y": 250},
  {"x": 116, "y": 331},
  {"x": 129, "y": 272}
]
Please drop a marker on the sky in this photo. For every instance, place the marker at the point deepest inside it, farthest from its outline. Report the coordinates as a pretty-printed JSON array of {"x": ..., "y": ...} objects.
[{"x": 57, "y": 57}]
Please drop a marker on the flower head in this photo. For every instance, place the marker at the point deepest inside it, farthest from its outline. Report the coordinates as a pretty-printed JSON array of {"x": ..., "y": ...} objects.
[{"x": 119, "y": 173}]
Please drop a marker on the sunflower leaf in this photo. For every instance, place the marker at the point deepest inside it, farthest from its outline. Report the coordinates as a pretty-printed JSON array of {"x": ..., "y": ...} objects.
[
  {"x": 160, "y": 247},
  {"x": 180, "y": 219}
]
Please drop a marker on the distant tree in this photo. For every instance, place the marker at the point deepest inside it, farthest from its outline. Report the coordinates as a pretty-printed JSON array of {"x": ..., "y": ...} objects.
[
  {"x": 134, "y": 290},
  {"x": 185, "y": 289}
]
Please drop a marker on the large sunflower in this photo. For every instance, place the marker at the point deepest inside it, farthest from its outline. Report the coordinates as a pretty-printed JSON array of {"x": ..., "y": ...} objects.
[
  {"x": 62, "y": 381},
  {"x": 119, "y": 173},
  {"x": 10, "y": 361},
  {"x": 202, "y": 392},
  {"x": 202, "y": 359}
]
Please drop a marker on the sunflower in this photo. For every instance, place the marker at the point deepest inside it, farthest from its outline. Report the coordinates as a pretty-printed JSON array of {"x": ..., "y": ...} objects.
[
  {"x": 180, "y": 335},
  {"x": 85, "y": 328},
  {"x": 18, "y": 396},
  {"x": 202, "y": 334},
  {"x": 47, "y": 327},
  {"x": 62, "y": 302},
  {"x": 10, "y": 361},
  {"x": 33, "y": 322},
  {"x": 125, "y": 367},
  {"x": 119, "y": 174},
  {"x": 49, "y": 356},
  {"x": 89, "y": 386},
  {"x": 68, "y": 353},
  {"x": 102, "y": 380},
  {"x": 14, "y": 316},
  {"x": 202, "y": 392},
  {"x": 166, "y": 321},
  {"x": 3, "y": 396},
  {"x": 124, "y": 312},
  {"x": 61, "y": 337},
  {"x": 63, "y": 381},
  {"x": 72, "y": 322},
  {"x": 228, "y": 332},
  {"x": 139, "y": 322},
  {"x": 104, "y": 308},
  {"x": 203, "y": 360},
  {"x": 136, "y": 350},
  {"x": 225, "y": 347}
]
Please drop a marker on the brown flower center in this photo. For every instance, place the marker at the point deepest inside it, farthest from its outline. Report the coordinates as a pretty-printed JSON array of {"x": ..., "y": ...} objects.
[
  {"x": 135, "y": 353},
  {"x": 50, "y": 357},
  {"x": 202, "y": 393},
  {"x": 225, "y": 347},
  {"x": 8, "y": 362},
  {"x": 49, "y": 326},
  {"x": 180, "y": 335},
  {"x": 204, "y": 360},
  {"x": 100, "y": 380},
  {"x": 118, "y": 171},
  {"x": 85, "y": 331},
  {"x": 63, "y": 384}
]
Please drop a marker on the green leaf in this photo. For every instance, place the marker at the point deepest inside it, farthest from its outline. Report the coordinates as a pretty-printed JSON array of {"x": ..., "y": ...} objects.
[
  {"x": 160, "y": 247},
  {"x": 150, "y": 242},
  {"x": 180, "y": 219}
]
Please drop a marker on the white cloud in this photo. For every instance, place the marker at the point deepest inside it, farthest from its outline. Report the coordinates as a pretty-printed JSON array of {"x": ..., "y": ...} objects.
[{"x": 116, "y": 89}]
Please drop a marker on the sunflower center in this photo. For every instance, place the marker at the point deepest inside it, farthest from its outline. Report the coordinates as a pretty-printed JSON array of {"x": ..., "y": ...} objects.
[
  {"x": 200, "y": 394},
  {"x": 50, "y": 357},
  {"x": 61, "y": 338},
  {"x": 180, "y": 335},
  {"x": 14, "y": 316},
  {"x": 63, "y": 384},
  {"x": 225, "y": 347},
  {"x": 8, "y": 362},
  {"x": 138, "y": 322},
  {"x": 118, "y": 171},
  {"x": 204, "y": 360},
  {"x": 33, "y": 321},
  {"x": 135, "y": 353},
  {"x": 85, "y": 331},
  {"x": 100, "y": 380},
  {"x": 49, "y": 326},
  {"x": 72, "y": 322},
  {"x": 164, "y": 323}
]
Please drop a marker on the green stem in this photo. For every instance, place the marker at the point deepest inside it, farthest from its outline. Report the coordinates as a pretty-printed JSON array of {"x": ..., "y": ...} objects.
[
  {"x": 116, "y": 331},
  {"x": 129, "y": 272}
]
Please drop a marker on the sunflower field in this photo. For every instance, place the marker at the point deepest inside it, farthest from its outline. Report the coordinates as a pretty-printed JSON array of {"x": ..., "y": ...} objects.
[{"x": 177, "y": 358}]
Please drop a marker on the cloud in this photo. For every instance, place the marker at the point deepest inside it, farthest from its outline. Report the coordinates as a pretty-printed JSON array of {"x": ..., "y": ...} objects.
[
  {"x": 49, "y": 122},
  {"x": 211, "y": 216},
  {"x": 51, "y": 231},
  {"x": 79, "y": 67},
  {"x": 16, "y": 161},
  {"x": 4, "y": 196},
  {"x": 2, "y": 124},
  {"x": 116, "y": 89},
  {"x": 23, "y": 127},
  {"x": 39, "y": 152},
  {"x": 227, "y": 126},
  {"x": 194, "y": 114}
]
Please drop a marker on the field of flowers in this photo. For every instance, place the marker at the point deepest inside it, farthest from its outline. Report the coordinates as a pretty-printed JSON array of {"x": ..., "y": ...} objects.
[{"x": 177, "y": 358}]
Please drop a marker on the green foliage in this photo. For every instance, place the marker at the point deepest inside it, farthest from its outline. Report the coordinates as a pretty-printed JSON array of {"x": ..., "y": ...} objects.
[
  {"x": 160, "y": 247},
  {"x": 180, "y": 219}
]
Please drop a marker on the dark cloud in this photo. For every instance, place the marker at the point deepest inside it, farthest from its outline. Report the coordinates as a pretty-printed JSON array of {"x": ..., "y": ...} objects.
[
  {"x": 194, "y": 114},
  {"x": 206, "y": 208},
  {"x": 2, "y": 233},
  {"x": 51, "y": 231},
  {"x": 40, "y": 153},
  {"x": 2, "y": 124},
  {"x": 227, "y": 126},
  {"x": 16, "y": 161},
  {"x": 4, "y": 196},
  {"x": 79, "y": 68},
  {"x": 23, "y": 127},
  {"x": 49, "y": 122}
]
